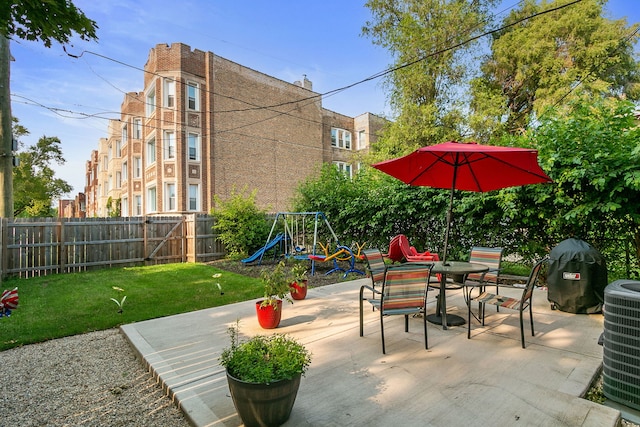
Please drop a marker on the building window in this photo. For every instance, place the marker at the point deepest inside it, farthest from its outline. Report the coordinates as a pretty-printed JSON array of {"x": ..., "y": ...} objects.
[
  {"x": 362, "y": 142},
  {"x": 169, "y": 93},
  {"x": 193, "y": 95},
  {"x": 118, "y": 148},
  {"x": 151, "y": 151},
  {"x": 138, "y": 205},
  {"x": 125, "y": 173},
  {"x": 124, "y": 207},
  {"x": 170, "y": 196},
  {"x": 137, "y": 167},
  {"x": 169, "y": 145},
  {"x": 150, "y": 104},
  {"x": 118, "y": 179},
  {"x": 105, "y": 163},
  {"x": 194, "y": 197},
  {"x": 137, "y": 128},
  {"x": 341, "y": 138},
  {"x": 194, "y": 146},
  {"x": 152, "y": 205},
  {"x": 125, "y": 134},
  {"x": 343, "y": 167}
]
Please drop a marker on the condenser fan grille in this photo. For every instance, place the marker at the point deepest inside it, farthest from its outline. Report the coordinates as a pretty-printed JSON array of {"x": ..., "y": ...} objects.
[{"x": 621, "y": 360}]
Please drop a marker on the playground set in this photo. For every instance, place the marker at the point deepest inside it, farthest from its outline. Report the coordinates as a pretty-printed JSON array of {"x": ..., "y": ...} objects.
[{"x": 290, "y": 235}]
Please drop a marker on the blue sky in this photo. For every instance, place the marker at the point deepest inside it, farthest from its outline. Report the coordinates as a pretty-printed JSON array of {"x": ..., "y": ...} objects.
[{"x": 282, "y": 38}]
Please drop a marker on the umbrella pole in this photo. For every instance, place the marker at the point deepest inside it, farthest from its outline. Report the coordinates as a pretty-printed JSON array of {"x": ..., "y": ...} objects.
[{"x": 446, "y": 234}]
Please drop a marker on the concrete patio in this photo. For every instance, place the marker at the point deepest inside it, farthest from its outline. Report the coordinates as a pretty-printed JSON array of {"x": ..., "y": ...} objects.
[{"x": 487, "y": 380}]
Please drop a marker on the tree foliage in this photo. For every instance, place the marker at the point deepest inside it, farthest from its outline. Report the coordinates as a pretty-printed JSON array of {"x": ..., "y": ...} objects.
[
  {"x": 424, "y": 88},
  {"x": 550, "y": 60},
  {"x": 241, "y": 226},
  {"x": 46, "y": 21},
  {"x": 593, "y": 156},
  {"x": 35, "y": 186}
]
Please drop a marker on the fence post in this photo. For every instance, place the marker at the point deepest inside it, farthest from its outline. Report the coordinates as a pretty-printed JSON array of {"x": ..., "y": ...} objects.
[
  {"x": 62, "y": 248},
  {"x": 4, "y": 226}
]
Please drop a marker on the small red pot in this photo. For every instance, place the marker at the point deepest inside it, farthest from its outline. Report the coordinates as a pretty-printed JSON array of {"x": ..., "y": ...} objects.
[
  {"x": 269, "y": 316},
  {"x": 299, "y": 292}
]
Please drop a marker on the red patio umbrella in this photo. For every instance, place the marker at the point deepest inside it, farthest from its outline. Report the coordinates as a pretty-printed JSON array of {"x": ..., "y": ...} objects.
[{"x": 466, "y": 166}]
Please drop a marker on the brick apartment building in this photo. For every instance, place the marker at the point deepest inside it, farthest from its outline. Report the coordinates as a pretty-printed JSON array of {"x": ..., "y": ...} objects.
[{"x": 204, "y": 125}]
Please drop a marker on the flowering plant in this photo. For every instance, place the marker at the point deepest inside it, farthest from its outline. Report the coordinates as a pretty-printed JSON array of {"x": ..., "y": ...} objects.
[{"x": 217, "y": 276}]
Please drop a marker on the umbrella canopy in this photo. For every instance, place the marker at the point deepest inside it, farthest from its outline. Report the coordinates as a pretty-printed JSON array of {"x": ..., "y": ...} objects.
[{"x": 470, "y": 167}]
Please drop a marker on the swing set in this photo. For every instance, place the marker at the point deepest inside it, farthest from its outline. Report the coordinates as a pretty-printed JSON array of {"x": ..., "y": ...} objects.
[{"x": 290, "y": 236}]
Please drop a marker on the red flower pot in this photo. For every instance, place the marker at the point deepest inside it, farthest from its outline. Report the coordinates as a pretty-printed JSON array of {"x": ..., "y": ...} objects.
[
  {"x": 269, "y": 316},
  {"x": 299, "y": 292}
]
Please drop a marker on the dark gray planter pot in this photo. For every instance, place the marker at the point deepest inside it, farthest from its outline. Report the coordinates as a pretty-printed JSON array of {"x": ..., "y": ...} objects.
[{"x": 264, "y": 405}]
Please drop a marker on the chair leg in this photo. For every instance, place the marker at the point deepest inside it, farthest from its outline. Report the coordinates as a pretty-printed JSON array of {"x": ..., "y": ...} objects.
[
  {"x": 522, "y": 327},
  {"x": 469, "y": 320},
  {"x": 424, "y": 321},
  {"x": 406, "y": 323},
  {"x": 382, "y": 331},
  {"x": 531, "y": 318},
  {"x": 361, "y": 323}
]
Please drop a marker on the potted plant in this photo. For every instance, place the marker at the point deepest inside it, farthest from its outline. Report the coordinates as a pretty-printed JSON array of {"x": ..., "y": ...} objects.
[
  {"x": 264, "y": 374},
  {"x": 299, "y": 285},
  {"x": 276, "y": 288}
]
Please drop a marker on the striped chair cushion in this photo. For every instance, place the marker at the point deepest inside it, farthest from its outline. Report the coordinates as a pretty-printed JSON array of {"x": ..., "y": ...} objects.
[
  {"x": 376, "y": 266},
  {"x": 404, "y": 289},
  {"x": 491, "y": 257},
  {"x": 487, "y": 298}
]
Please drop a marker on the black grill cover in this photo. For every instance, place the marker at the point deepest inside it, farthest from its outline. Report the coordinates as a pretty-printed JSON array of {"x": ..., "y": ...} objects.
[{"x": 577, "y": 277}]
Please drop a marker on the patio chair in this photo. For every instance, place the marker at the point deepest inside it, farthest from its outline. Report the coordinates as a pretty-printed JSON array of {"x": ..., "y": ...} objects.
[
  {"x": 404, "y": 292},
  {"x": 376, "y": 266},
  {"x": 491, "y": 257},
  {"x": 519, "y": 304}
]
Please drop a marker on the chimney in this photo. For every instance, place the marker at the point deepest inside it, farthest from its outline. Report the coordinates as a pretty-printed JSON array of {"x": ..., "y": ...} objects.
[{"x": 305, "y": 83}]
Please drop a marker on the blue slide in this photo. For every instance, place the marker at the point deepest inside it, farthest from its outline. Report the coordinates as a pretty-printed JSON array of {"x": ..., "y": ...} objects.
[{"x": 265, "y": 248}]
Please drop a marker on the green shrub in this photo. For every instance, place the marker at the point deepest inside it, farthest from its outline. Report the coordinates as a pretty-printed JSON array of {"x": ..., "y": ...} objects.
[{"x": 241, "y": 226}]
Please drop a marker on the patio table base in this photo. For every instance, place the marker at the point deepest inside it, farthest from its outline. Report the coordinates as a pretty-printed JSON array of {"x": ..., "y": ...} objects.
[{"x": 452, "y": 319}]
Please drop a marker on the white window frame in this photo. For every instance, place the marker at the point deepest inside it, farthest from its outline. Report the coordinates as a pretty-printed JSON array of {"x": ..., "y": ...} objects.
[
  {"x": 150, "y": 151},
  {"x": 152, "y": 199},
  {"x": 193, "y": 102},
  {"x": 345, "y": 168},
  {"x": 137, "y": 200},
  {"x": 362, "y": 138},
  {"x": 125, "y": 172},
  {"x": 194, "y": 198},
  {"x": 169, "y": 93},
  {"x": 118, "y": 179},
  {"x": 125, "y": 133},
  {"x": 150, "y": 101},
  {"x": 169, "y": 149},
  {"x": 124, "y": 207},
  {"x": 170, "y": 196},
  {"x": 118, "y": 148},
  {"x": 137, "y": 167},
  {"x": 193, "y": 146},
  {"x": 341, "y": 138},
  {"x": 137, "y": 128}
]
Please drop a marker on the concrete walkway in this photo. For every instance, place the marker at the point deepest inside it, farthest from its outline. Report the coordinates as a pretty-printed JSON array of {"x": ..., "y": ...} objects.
[{"x": 488, "y": 380}]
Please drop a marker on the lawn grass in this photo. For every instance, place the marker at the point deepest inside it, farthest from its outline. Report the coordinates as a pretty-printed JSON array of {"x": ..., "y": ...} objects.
[{"x": 61, "y": 305}]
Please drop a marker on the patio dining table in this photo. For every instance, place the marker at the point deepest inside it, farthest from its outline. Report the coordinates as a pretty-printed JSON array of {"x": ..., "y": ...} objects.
[{"x": 450, "y": 268}]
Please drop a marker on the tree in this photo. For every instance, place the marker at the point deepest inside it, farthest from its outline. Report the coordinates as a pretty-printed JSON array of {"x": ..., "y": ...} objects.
[
  {"x": 425, "y": 84},
  {"x": 53, "y": 20},
  {"x": 593, "y": 157},
  {"x": 550, "y": 60},
  {"x": 35, "y": 185}
]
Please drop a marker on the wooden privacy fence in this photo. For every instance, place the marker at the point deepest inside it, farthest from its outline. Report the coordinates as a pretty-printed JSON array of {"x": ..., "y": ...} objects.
[{"x": 39, "y": 246}]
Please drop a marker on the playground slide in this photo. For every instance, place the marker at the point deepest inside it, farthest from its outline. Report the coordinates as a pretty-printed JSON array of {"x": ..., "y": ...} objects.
[{"x": 265, "y": 248}]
